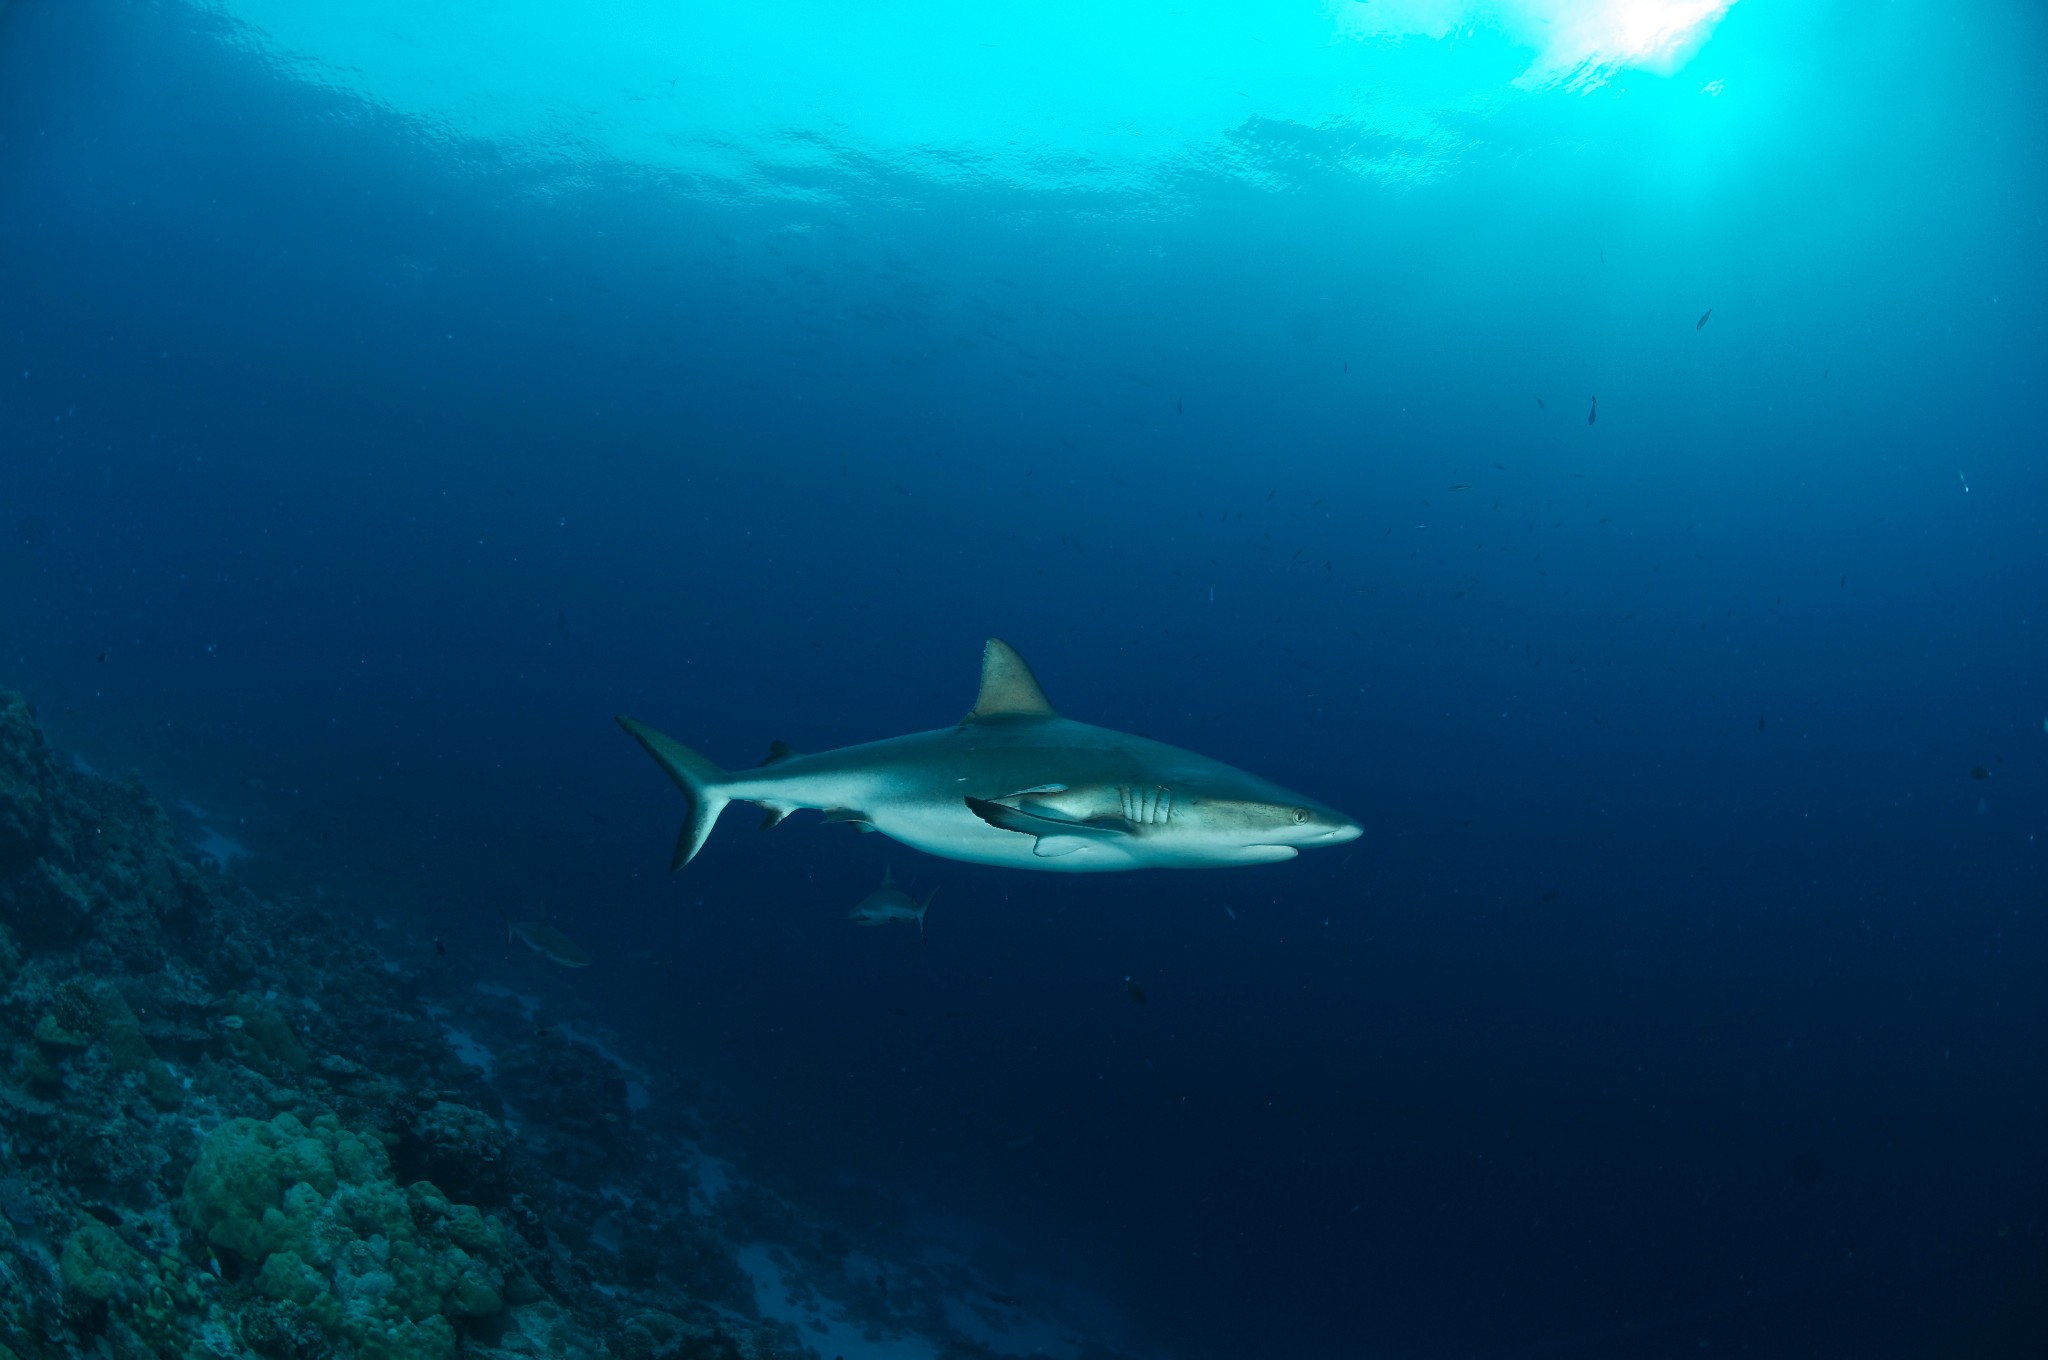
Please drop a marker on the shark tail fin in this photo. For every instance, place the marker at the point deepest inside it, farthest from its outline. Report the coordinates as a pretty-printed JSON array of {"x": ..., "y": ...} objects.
[
  {"x": 922, "y": 908},
  {"x": 695, "y": 776}
]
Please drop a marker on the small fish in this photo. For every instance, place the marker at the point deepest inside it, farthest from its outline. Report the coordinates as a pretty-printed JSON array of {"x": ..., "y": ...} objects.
[
  {"x": 441, "y": 949},
  {"x": 1347, "y": 365},
  {"x": 1702, "y": 322},
  {"x": 1542, "y": 405},
  {"x": 1228, "y": 912},
  {"x": 101, "y": 657},
  {"x": 1979, "y": 772},
  {"x": 1179, "y": 407},
  {"x": 1550, "y": 896},
  {"x": 1460, "y": 486},
  {"x": 1134, "y": 991},
  {"x": 544, "y": 940},
  {"x": 1593, "y": 412},
  {"x": 1759, "y": 722},
  {"x": 890, "y": 903}
]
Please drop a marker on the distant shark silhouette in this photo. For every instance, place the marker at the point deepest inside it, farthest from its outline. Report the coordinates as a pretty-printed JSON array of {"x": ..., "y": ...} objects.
[
  {"x": 1016, "y": 784},
  {"x": 890, "y": 903}
]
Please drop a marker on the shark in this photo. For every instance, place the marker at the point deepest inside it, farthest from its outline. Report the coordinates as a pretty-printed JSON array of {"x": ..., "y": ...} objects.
[
  {"x": 544, "y": 940},
  {"x": 1017, "y": 785},
  {"x": 890, "y": 903}
]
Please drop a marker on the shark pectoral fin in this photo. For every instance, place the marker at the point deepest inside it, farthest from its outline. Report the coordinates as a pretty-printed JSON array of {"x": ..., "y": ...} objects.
[
  {"x": 1056, "y": 836},
  {"x": 1037, "y": 788}
]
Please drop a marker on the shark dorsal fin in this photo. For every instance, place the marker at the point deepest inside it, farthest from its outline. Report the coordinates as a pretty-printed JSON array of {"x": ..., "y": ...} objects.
[{"x": 1007, "y": 686}]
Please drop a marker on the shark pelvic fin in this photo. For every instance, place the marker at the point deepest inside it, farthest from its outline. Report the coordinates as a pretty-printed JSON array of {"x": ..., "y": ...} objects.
[
  {"x": 860, "y": 820},
  {"x": 1008, "y": 688},
  {"x": 697, "y": 777}
]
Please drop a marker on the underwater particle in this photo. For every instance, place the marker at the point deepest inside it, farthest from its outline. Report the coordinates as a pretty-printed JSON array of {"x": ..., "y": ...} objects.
[
  {"x": 440, "y": 949},
  {"x": 1550, "y": 895},
  {"x": 1701, "y": 324},
  {"x": 1759, "y": 722},
  {"x": 1134, "y": 991},
  {"x": 101, "y": 657},
  {"x": 1979, "y": 772},
  {"x": 1593, "y": 412}
]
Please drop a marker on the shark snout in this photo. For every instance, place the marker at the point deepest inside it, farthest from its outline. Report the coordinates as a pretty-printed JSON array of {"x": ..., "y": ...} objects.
[
  {"x": 1331, "y": 828},
  {"x": 1315, "y": 826},
  {"x": 1342, "y": 829}
]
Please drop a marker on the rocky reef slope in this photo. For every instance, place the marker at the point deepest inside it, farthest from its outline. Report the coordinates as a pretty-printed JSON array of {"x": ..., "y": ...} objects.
[{"x": 231, "y": 1126}]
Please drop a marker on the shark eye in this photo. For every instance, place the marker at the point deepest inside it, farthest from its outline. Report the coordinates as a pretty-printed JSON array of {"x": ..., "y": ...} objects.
[{"x": 1300, "y": 816}]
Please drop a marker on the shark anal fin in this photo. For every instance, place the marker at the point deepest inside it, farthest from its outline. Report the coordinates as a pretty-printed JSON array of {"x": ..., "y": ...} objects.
[{"x": 1008, "y": 689}]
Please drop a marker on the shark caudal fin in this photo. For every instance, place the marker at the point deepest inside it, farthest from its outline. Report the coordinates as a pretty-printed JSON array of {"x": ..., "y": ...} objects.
[
  {"x": 695, "y": 776},
  {"x": 922, "y": 908}
]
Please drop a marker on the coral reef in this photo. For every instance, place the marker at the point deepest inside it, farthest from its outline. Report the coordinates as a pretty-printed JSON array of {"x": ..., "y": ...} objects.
[{"x": 230, "y": 1127}]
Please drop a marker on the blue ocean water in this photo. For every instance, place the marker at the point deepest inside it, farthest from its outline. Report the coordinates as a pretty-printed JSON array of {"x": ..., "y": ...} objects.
[{"x": 1597, "y": 446}]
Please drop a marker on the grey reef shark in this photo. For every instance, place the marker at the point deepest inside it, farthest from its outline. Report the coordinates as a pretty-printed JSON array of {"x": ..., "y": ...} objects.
[
  {"x": 1014, "y": 783},
  {"x": 890, "y": 903}
]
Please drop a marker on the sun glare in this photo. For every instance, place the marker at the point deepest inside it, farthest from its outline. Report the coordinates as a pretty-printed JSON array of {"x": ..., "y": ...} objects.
[{"x": 1576, "y": 45}]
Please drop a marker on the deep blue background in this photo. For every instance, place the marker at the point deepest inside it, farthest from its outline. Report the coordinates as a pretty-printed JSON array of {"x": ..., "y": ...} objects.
[{"x": 1686, "y": 986}]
